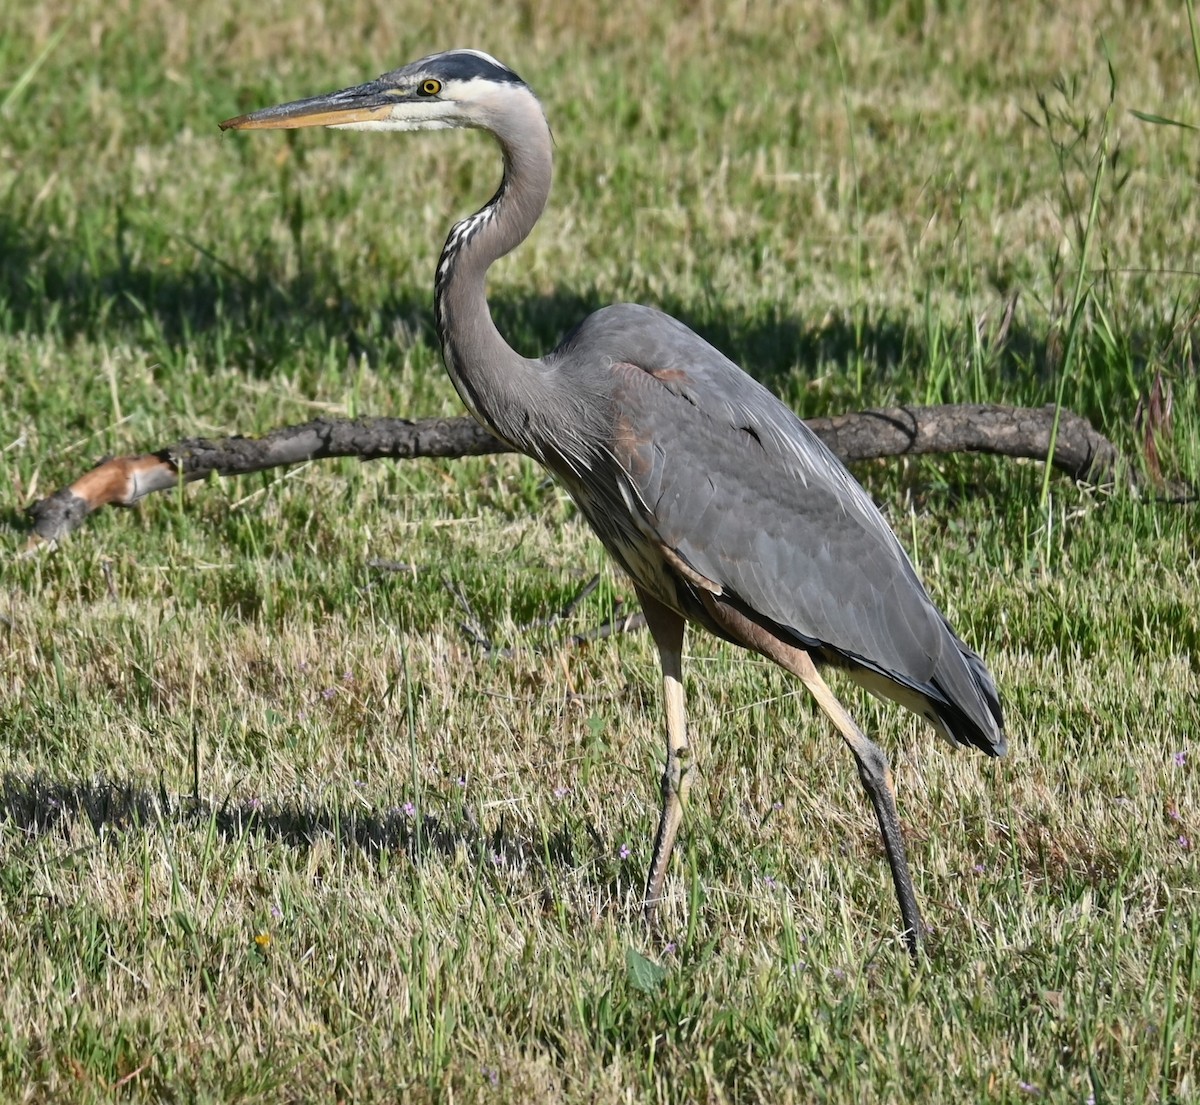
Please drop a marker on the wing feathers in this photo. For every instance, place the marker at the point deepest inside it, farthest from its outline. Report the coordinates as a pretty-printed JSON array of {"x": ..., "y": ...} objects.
[{"x": 746, "y": 502}]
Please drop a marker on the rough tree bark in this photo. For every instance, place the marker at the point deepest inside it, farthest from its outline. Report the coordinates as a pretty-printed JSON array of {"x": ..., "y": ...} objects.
[{"x": 1079, "y": 451}]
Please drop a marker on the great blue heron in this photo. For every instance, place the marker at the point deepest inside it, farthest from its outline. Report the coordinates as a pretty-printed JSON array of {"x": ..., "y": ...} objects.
[{"x": 718, "y": 502}]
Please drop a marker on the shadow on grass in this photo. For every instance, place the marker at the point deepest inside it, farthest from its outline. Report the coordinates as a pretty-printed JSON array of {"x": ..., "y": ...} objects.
[
  {"x": 256, "y": 320},
  {"x": 38, "y": 807}
]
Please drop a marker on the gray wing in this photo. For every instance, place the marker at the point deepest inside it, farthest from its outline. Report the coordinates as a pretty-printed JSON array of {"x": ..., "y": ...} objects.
[{"x": 734, "y": 484}]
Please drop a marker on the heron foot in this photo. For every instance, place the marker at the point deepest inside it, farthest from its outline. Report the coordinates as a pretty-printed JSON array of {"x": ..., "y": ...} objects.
[
  {"x": 676, "y": 782},
  {"x": 876, "y": 776}
]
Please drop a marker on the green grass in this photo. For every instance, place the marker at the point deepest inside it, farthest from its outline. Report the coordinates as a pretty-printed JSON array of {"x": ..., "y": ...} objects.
[{"x": 404, "y": 876}]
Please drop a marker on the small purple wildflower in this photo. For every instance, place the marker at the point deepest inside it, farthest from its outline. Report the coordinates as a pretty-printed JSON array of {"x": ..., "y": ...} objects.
[
  {"x": 670, "y": 948},
  {"x": 493, "y": 1076},
  {"x": 1185, "y": 842},
  {"x": 1173, "y": 813},
  {"x": 497, "y": 859},
  {"x": 1029, "y": 1088},
  {"x": 347, "y": 677},
  {"x": 979, "y": 868},
  {"x": 276, "y": 912},
  {"x": 625, "y": 851},
  {"x": 1180, "y": 758},
  {"x": 561, "y": 792},
  {"x": 302, "y": 666},
  {"x": 461, "y": 781},
  {"x": 770, "y": 883},
  {"x": 409, "y": 809},
  {"x": 254, "y": 805},
  {"x": 328, "y": 693},
  {"x": 776, "y": 806}
]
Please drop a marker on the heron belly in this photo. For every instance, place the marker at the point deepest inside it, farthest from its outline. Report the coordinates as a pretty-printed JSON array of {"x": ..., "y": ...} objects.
[{"x": 638, "y": 554}]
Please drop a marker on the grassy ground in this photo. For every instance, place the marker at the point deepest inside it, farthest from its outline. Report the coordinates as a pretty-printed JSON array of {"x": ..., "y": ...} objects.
[{"x": 413, "y": 871}]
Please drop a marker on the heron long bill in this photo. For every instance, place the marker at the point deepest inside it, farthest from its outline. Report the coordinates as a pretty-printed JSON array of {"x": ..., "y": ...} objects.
[{"x": 372, "y": 102}]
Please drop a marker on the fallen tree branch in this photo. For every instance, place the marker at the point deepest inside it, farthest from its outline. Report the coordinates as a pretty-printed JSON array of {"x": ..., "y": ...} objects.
[
  {"x": 125, "y": 480},
  {"x": 1080, "y": 451}
]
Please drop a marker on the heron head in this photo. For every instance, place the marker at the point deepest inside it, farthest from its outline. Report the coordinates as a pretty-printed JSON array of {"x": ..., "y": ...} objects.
[{"x": 457, "y": 88}]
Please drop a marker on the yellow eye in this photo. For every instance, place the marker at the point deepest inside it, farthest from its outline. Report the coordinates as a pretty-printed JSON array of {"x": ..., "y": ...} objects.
[{"x": 430, "y": 87}]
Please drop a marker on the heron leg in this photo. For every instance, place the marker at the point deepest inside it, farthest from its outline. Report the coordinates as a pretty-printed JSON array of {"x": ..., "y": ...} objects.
[
  {"x": 666, "y": 626},
  {"x": 873, "y": 768},
  {"x": 876, "y": 777}
]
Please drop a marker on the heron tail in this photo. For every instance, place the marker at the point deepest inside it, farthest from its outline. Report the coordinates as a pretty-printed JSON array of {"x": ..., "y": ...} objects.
[{"x": 969, "y": 706}]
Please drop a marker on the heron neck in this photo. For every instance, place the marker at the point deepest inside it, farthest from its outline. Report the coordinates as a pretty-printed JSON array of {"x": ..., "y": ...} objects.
[{"x": 486, "y": 371}]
